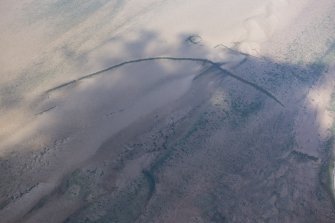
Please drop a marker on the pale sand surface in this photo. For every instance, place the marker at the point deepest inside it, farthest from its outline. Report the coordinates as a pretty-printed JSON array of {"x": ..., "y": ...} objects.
[{"x": 167, "y": 111}]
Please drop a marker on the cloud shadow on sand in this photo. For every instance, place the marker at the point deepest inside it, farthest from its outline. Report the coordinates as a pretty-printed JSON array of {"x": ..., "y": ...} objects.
[{"x": 176, "y": 138}]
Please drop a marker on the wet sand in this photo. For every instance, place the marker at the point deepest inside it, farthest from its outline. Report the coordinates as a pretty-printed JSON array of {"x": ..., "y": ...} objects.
[{"x": 167, "y": 111}]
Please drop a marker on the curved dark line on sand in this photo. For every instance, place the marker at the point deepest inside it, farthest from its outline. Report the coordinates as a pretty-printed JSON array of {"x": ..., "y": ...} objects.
[
  {"x": 61, "y": 86},
  {"x": 256, "y": 87},
  {"x": 46, "y": 110},
  {"x": 205, "y": 61}
]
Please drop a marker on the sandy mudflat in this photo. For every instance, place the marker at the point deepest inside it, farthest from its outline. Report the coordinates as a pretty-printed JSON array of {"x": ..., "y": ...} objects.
[{"x": 167, "y": 111}]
